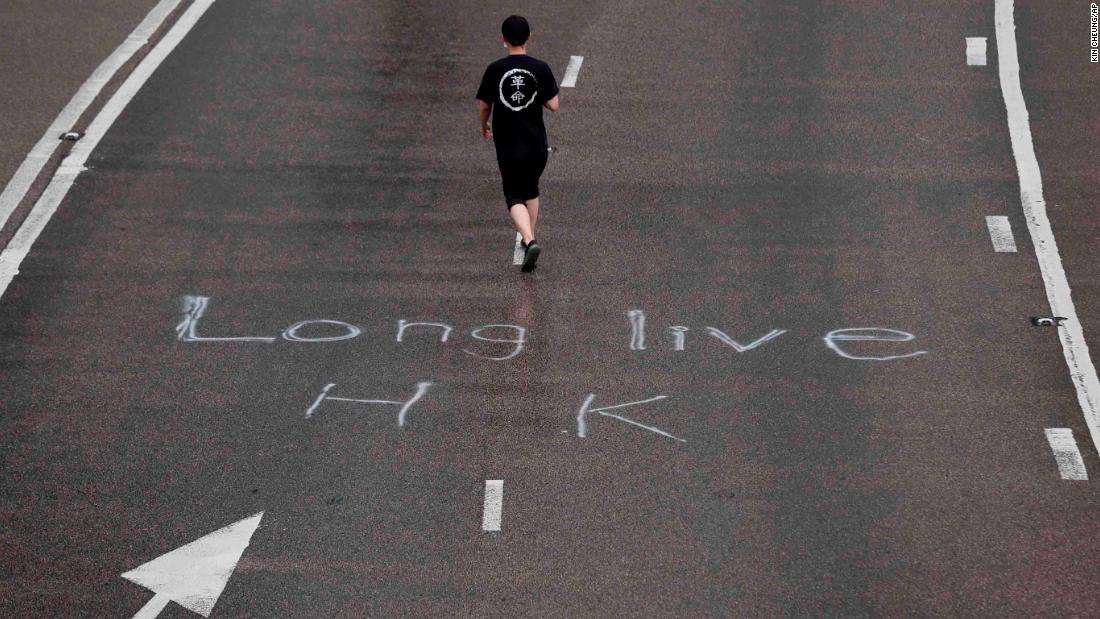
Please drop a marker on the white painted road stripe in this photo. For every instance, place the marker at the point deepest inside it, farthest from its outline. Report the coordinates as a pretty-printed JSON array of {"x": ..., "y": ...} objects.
[
  {"x": 21, "y": 182},
  {"x": 195, "y": 574},
  {"x": 73, "y": 165},
  {"x": 494, "y": 499},
  {"x": 1076, "y": 351},
  {"x": 517, "y": 253},
  {"x": 975, "y": 51},
  {"x": 572, "y": 71},
  {"x": 1000, "y": 232},
  {"x": 1070, "y": 464}
]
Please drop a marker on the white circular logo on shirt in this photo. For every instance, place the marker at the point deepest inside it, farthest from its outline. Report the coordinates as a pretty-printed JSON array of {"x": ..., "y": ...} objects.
[{"x": 518, "y": 88}]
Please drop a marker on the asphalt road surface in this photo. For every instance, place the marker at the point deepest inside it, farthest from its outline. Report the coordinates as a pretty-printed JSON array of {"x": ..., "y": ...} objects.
[
  {"x": 49, "y": 47},
  {"x": 681, "y": 427}
]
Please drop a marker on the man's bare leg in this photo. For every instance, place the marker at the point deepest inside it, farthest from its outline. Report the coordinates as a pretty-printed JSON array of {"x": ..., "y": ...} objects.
[
  {"x": 533, "y": 212},
  {"x": 522, "y": 221}
]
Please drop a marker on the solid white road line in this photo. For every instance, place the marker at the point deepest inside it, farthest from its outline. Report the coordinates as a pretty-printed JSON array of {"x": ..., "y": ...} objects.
[
  {"x": 73, "y": 165},
  {"x": 1076, "y": 351},
  {"x": 21, "y": 182},
  {"x": 572, "y": 71},
  {"x": 1070, "y": 464},
  {"x": 975, "y": 51},
  {"x": 1000, "y": 232},
  {"x": 494, "y": 499},
  {"x": 517, "y": 253}
]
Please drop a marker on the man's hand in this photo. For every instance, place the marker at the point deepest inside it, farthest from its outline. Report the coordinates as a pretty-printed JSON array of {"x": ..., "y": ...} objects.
[{"x": 483, "y": 111}]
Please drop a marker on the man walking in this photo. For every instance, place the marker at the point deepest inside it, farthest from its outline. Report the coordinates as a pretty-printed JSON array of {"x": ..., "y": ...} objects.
[{"x": 514, "y": 90}]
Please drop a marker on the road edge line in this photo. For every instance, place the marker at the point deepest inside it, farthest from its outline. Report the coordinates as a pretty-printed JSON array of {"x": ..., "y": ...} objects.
[
  {"x": 21, "y": 182},
  {"x": 12, "y": 256},
  {"x": 1076, "y": 350}
]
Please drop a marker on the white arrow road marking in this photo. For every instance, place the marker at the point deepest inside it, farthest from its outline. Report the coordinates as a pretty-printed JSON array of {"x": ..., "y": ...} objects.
[
  {"x": 494, "y": 505},
  {"x": 153, "y": 607},
  {"x": 194, "y": 575}
]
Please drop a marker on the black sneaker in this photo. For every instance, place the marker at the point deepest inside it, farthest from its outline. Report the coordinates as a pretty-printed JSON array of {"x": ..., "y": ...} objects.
[{"x": 530, "y": 257}]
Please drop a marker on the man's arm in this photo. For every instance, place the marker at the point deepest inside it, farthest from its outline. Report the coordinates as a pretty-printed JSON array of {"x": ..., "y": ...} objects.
[
  {"x": 484, "y": 109},
  {"x": 552, "y": 104}
]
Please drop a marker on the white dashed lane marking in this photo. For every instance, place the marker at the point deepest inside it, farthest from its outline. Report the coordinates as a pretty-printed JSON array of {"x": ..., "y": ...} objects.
[
  {"x": 494, "y": 504},
  {"x": 975, "y": 51},
  {"x": 1000, "y": 232},
  {"x": 572, "y": 71},
  {"x": 1070, "y": 464},
  {"x": 517, "y": 253}
]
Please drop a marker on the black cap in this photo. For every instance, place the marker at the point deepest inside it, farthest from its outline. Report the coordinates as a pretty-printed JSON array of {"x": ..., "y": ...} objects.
[{"x": 515, "y": 30}]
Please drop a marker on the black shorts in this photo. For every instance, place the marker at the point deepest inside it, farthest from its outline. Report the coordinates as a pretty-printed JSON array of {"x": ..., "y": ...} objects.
[{"x": 519, "y": 173}]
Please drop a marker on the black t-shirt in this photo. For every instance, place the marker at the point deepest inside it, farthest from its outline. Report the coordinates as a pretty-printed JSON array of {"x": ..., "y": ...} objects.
[{"x": 516, "y": 87}]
